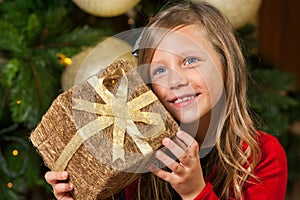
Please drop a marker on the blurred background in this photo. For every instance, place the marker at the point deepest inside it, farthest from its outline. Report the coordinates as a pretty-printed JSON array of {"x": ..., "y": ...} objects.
[{"x": 42, "y": 44}]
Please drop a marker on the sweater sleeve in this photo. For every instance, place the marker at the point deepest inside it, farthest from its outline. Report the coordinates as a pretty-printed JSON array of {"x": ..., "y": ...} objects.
[{"x": 271, "y": 172}]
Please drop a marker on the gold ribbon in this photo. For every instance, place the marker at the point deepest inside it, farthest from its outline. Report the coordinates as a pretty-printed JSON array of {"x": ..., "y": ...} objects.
[{"x": 116, "y": 111}]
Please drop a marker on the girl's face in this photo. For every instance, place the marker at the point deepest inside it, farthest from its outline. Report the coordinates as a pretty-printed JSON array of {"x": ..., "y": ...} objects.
[{"x": 186, "y": 74}]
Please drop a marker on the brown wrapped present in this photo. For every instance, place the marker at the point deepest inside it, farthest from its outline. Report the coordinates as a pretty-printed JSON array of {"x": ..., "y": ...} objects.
[{"x": 103, "y": 131}]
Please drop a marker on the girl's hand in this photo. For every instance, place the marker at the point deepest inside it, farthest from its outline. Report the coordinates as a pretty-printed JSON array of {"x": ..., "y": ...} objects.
[
  {"x": 186, "y": 176},
  {"x": 58, "y": 181}
]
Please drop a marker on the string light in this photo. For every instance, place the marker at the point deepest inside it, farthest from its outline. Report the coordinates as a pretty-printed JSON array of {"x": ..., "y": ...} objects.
[
  {"x": 131, "y": 21},
  {"x": 131, "y": 18},
  {"x": 64, "y": 60},
  {"x": 9, "y": 185},
  {"x": 19, "y": 101},
  {"x": 15, "y": 152}
]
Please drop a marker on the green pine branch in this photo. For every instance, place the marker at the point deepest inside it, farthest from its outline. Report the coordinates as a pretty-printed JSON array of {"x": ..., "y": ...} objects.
[
  {"x": 32, "y": 33},
  {"x": 31, "y": 39}
]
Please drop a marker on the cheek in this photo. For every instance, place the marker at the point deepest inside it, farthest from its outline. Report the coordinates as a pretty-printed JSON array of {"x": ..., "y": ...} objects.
[
  {"x": 216, "y": 87},
  {"x": 159, "y": 91},
  {"x": 213, "y": 84}
]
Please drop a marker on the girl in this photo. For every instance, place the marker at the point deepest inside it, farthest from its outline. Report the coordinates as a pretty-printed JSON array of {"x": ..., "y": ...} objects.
[{"x": 198, "y": 72}]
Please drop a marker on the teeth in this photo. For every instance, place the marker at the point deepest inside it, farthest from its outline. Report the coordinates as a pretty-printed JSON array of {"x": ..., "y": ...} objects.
[{"x": 180, "y": 100}]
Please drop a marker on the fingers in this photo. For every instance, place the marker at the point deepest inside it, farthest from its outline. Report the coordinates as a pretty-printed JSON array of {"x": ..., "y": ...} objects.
[
  {"x": 54, "y": 177},
  {"x": 62, "y": 195},
  {"x": 190, "y": 142},
  {"x": 168, "y": 161},
  {"x": 179, "y": 143},
  {"x": 184, "y": 147},
  {"x": 58, "y": 181},
  {"x": 61, "y": 188},
  {"x": 171, "y": 177},
  {"x": 186, "y": 138},
  {"x": 186, "y": 175},
  {"x": 173, "y": 147},
  {"x": 161, "y": 173}
]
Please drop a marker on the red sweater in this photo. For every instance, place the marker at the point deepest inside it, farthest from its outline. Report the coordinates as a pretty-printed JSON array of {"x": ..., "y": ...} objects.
[{"x": 271, "y": 170}]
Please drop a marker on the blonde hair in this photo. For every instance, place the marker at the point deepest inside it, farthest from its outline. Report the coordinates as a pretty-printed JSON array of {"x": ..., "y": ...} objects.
[{"x": 236, "y": 128}]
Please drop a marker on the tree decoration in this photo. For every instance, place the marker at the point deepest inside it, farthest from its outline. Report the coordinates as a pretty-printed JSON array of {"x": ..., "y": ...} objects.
[
  {"x": 6, "y": 166},
  {"x": 91, "y": 60},
  {"x": 15, "y": 152},
  {"x": 69, "y": 74},
  {"x": 64, "y": 60},
  {"x": 32, "y": 33},
  {"x": 9, "y": 185},
  {"x": 30, "y": 48},
  {"x": 106, "y": 8},
  {"x": 238, "y": 12}
]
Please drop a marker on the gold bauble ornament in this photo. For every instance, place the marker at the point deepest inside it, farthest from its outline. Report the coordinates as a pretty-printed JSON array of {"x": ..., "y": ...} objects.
[
  {"x": 239, "y": 12},
  {"x": 69, "y": 74},
  {"x": 106, "y": 8},
  {"x": 91, "y": 60}
]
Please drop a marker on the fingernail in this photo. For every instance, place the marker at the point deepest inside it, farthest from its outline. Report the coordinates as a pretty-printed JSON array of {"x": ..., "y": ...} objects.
[
  {"x": 179, "y": 133},
  {"x": 71, "y": 186},
  {"x": 157, "y": 153},
  {"x": 64, "y": 175},
  {"x": 166, "y": 140}
]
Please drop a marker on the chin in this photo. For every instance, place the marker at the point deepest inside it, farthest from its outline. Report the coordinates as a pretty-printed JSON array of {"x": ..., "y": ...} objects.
[
  {"x": 188, "y": 118},
  {"x": 192, "y": 117}
]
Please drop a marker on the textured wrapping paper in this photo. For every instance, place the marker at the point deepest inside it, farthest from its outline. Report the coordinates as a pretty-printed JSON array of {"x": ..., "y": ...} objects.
[{"x": 103, "y": 131}]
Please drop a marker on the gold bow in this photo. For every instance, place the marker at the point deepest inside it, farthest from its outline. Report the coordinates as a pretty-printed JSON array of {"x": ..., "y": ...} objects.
[{"x": 118, "y": 112}]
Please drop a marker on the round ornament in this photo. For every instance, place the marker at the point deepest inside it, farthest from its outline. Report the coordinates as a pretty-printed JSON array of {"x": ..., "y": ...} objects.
[
  {"x": 91, "y": 60},
  {"x": 69, "y": 74},
  {"x": 106, "y": 8},
  {"x": 238, "y": 12}
]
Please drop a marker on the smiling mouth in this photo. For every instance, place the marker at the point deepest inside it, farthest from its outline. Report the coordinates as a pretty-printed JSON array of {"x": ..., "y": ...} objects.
[{"x": 184, "y": 99}]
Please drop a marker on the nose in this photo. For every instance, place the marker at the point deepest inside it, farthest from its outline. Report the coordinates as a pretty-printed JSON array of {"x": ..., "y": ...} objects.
[{"x": 177, "y": 79}]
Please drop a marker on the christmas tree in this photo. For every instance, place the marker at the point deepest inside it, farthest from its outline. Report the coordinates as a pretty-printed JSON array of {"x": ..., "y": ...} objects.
[
  {"x": 35, "y": 39},
  {"x": 37, "y": 42}
]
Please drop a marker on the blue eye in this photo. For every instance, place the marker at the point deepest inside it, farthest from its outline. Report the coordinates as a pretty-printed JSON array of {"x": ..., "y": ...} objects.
[
  {"x": 159, "y": 70},
  {"x": 191, "y": 61}
]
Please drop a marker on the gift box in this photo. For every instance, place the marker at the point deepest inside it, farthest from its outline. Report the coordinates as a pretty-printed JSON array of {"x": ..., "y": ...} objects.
[{"x": 103, "y": 131}]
